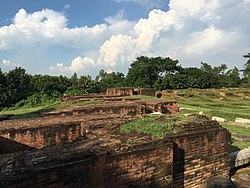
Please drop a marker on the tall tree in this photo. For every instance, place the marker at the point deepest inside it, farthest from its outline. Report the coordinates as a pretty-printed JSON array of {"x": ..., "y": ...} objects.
[
  {"x": 3, "y": 89},
  {"x": 19, "y": 87},
  {"x": 246, "y": 71},
  {"x": 233, "y": 78},
  {"x": 109, "y": 80},
  {"x": 149, "y": 72}
]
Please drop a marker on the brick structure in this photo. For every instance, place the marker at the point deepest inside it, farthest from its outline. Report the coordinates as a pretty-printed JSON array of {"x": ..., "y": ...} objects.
[
  {"x": 147, "y": 91},
  {"x": 94, "y": 154},
  {"x": 120, "y": 91},
  {"x": 130, "y": 91},
  {"x": 123, "y": 108},
  {"x": 111, "y": 94}
]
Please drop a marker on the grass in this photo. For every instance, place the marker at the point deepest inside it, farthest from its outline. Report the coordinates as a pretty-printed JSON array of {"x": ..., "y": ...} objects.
[
  {"x": 33, "y": 112},
  {"x": 236, "y": 130},
  {"x": 226, "y": 103},
  {"x": 239, "y": 145},
  {"x": 149, "y": 125}
]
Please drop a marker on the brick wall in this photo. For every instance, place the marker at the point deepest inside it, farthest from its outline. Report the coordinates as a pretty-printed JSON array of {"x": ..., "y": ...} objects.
[
  {"x": 201, "y": 154},
  {"x": 198, "y": 152},
  {"x": 149, "y": 165},
  {"x": 120, "y": 91},
  {"x": 147, "y": 91},
  {"x": 11, "y": 146},
  {"x": 41, "y": 137}
]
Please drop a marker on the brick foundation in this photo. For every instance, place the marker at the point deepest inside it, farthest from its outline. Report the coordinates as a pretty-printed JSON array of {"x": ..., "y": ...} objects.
[{"x": 197, "y": 152}]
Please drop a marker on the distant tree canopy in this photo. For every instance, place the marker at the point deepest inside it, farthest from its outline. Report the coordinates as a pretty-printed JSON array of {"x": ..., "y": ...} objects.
[
  {"x": 152, "y": 72},
  {"x": 149, "y": 72}
]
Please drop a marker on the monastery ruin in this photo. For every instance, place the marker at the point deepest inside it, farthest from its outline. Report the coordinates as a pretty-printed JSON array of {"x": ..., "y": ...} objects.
[{"x": 81, "y": 146}]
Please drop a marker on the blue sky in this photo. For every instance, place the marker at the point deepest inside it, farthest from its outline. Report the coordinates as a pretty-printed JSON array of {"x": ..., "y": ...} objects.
[
  {"x": 80, "y": 12},
  {"x": 66, "y": 36}
]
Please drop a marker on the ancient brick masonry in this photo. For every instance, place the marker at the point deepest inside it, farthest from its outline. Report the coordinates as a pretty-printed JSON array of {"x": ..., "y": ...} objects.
[
  {"x": 150, "y": 164},
  {"x": 132, "y": 108},
  {"x": 130, "y": 91},
  {"x": 40, "y": 133},
  {"x": 200, "y": 150}
]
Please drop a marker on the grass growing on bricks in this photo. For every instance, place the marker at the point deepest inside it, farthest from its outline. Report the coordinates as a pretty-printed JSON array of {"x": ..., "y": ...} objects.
[{"x": 151, "y": 125}]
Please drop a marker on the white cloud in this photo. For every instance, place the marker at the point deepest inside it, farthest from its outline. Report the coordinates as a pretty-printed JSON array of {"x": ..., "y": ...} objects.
[
  {"x": 50, "y": 27},
  {"x": 78, "y": 65},
  {"x": 214, "y": 31},
  {"x": 7, "y": 65}
]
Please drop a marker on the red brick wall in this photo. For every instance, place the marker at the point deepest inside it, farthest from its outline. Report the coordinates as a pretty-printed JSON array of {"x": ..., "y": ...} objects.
[
  {"x": 10, "y": 146},
  {"x": 45, "y": 136},
  {"x": 187, "y": 160},
  {"x": 120, "y": 91},
  {"x": 148, "y": 92},
  {"x": 200, "y": 155},
  {"x": 144, "y": 166}
]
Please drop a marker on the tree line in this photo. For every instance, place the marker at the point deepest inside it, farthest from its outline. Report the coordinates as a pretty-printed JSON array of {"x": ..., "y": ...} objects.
[{"x": 145, "y": 72}]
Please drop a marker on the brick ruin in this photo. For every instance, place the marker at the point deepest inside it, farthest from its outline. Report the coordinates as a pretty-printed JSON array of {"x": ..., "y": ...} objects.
[
  {"x": 130, "y": 91},
  {"x": 83, "y": 147}
]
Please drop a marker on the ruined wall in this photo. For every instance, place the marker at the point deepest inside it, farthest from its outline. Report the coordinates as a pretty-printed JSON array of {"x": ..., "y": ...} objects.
[
  {"x": 124, "y": 108},
  {"x": 120, "y": 91},
  {"x": 200, "y": 154},
  {"x": 11, "y": 146},
  {"x": 147, "y": 91},
  {"x": 121, "y": 109},
  {"x": 149, "y": 165},
  {"x": 200, "y": 151},
  {"x": 40, "y": 137}
]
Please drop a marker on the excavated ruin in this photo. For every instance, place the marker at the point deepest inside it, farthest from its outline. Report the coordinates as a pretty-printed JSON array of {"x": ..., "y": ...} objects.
[{"x": 83, "y": 146}]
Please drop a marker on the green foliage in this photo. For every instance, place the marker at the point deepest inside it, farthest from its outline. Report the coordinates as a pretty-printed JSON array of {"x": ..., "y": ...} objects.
[
  {"x": 149, "y": 125},
  {"x": 37, "y": 99},
  {"x": 148, "y": 72},
  {"x": 110, "y": 80},
  {"x": 3, "y": 89},
  {"x": 246, "y": 71},
  {"x": 18, "y": 85},
  {"x": 51, "y": 85},
  {"x": 74, "y": 91}
]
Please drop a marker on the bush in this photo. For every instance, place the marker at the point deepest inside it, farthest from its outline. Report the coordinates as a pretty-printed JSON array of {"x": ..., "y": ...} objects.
[{"x": 37, "y": 99}]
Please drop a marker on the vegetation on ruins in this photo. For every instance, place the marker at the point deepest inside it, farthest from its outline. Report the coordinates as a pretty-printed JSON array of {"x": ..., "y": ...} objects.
[{"x": 156, "y": 127}]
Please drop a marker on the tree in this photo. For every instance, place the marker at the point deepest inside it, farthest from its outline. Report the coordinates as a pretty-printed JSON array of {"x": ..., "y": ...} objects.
[
  {"x": 19, "y": 86},
  {"x": 110, "y": 80},
  {"x": 233, "y": 78},
  {"x": 3, "y": 89},
  {"x": 246, "y": 71},
  {"x": 149, "y": 72},
  {"x": 214, "y": 76},
  {"x": 74, "y": 81}
]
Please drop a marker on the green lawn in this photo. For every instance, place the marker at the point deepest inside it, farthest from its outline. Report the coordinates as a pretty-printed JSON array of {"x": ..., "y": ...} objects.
[
  {"x": 33, "y": 112},
  {"x": 228, "y": 104}
]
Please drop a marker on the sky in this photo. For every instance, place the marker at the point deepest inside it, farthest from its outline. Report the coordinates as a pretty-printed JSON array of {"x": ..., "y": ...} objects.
[{"x": 60, "y": 37}]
